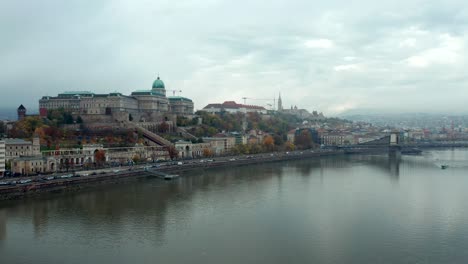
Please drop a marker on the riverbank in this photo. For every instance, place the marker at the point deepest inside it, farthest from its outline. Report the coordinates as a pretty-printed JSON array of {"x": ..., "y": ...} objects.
[{"x": 32, "y": 186}]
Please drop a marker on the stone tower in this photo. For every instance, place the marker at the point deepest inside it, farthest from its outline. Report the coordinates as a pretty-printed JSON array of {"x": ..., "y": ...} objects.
[{"x": 21, "y": 112}]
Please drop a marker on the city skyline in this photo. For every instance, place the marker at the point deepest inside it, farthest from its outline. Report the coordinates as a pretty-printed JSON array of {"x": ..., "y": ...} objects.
[{"x": 331, "y": 57}]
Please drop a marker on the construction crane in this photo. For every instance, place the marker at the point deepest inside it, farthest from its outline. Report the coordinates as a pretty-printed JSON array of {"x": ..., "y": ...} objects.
[
  {"x": 260, "y": 99},
  {"x": 174, "y": 91}
]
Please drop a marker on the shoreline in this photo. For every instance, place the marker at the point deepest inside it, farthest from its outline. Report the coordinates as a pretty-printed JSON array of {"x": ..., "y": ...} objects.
[{"x": 121, "y": 174}]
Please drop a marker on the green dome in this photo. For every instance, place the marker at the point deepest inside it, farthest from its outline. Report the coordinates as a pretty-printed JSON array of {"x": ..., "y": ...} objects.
[{"x": 158, "y": 84}]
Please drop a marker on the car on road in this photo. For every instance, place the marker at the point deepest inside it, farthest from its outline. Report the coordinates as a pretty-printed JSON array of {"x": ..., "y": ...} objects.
[{"x": 24, "y": 181}]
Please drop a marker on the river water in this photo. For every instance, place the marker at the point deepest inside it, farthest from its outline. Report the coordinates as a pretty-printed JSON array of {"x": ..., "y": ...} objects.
[{"x": 347, "y": 209}]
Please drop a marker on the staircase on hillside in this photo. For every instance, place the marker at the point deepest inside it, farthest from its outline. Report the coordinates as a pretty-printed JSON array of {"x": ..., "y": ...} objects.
[
  {"x": 149, "y": 135},
  {"x": 185, "y": 133}
]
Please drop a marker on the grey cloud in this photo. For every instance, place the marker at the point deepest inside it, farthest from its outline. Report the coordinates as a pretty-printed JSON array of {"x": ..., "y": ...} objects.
[{"x": 223, "y": 50}]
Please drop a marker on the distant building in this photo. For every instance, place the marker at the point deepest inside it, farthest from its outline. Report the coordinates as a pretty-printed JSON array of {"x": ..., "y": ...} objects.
[
  {"x": 291, "y": 136},
  {"x": 337, "y": 139},
  {"x": 32, "y": 165},
  {"x": 2, "y": 158},
  {"x": 187, "y": 149},
  {"x": 221, "y": 145},
  {"x": 294, "y": 133},
  {"x": 233, "y": 107},
  {"x": 15, "y": 148},
  {"x": 140, "y": 102},
  {"x": 21, "y": 112}
]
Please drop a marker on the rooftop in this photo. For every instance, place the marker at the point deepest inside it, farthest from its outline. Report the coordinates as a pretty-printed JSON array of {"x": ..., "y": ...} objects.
[
  {"x": 179, "y": 98},
  {"x": 16, "y": 141},
  {"x": 146, "y": 92}
]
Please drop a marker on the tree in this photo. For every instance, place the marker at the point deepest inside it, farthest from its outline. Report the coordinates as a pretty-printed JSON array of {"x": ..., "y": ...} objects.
[
  {"x": 268, "y": 142},
  {"x": 163, "y": 127},
  {"x": 290, "y": 146},
  {"x": 304, "y": 139},
  {"x": 207, "y": 152},
  {"x": 79, "y": 120},
  {"x": 278, "y": 140},
  {"x": 136, "y": 158},
  {"x": 130, "y": 117},
  {"x": 100, "y": 157},
  {"x": 172, "y": 151},
  {"x": 25, "y": 128}
]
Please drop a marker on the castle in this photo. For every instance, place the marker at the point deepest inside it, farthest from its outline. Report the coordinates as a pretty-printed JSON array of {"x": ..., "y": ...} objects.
[{"x": 141, "y": 105}]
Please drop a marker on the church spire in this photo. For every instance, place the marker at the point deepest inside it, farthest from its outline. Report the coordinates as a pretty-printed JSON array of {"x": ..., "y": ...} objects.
[{"x": 280, "y": 103}]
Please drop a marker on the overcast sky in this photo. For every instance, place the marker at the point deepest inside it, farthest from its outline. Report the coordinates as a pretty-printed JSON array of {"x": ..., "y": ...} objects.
[{"x": 330, "y": 56}]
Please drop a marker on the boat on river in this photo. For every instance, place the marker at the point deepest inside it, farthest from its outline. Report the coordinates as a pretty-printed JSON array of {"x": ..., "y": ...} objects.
[
  {"x": 169, "y": 177},
  {"x": 443, "y": 166}
]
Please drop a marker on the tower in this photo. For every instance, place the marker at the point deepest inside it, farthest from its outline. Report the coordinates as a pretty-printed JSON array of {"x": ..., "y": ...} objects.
[
  {"x": 280, "y": 103},
  {"x": 21, "y": 112}
]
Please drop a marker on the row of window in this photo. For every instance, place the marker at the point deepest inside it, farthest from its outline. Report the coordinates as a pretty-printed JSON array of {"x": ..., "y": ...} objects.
[{"x": 16, "y": 147}]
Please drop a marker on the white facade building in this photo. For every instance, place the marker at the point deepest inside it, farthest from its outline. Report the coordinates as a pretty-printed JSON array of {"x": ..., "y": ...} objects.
[
  {"x": 2, "y": 158},
  {"x": 15, "y": 148}
]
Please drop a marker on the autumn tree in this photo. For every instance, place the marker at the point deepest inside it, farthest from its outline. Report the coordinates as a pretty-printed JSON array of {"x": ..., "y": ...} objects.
[
  {"x": 268, "y": 143},
  {"x": 289, "y": 146},
  {"x": 207, "y": 152},
  {"x": 304, "y": 139},
  {"x": 163, "y": 127},
  {"x": 136, "y": 158},
  {"x": 172, "y": 151},
  {"x": 25, "y": 128},
  {"x": 100, "y": 157}
]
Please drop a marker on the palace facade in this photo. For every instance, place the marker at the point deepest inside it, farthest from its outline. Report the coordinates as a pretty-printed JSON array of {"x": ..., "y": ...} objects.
[{"x": 138, "y": 103}]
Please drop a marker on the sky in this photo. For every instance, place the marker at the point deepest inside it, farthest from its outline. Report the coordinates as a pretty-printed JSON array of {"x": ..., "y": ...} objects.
[{"x": 330, "y": 56}]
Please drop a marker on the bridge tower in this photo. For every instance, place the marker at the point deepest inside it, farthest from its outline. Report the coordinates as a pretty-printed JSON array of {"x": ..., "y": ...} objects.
[{"x": 394, "y": 148}]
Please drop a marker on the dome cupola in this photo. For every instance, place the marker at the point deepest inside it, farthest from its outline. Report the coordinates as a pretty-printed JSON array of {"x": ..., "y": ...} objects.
[{"x": 158, "y": 84}]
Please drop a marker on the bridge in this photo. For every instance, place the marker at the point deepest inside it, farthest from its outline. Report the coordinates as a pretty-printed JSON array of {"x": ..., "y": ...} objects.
[{"x": 389, "y": 143}]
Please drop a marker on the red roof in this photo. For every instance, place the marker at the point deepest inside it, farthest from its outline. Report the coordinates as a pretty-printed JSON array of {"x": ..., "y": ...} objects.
[{"x": 234, "y": 105}]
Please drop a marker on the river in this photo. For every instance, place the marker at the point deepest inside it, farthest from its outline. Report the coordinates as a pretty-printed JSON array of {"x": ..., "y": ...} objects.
[{"x": 346, "y": 209}]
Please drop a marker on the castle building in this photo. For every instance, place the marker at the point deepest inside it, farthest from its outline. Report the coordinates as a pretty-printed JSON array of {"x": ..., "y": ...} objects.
[
  {"x": 140, "y": 102},
  {"x": 233, "y": 107}
]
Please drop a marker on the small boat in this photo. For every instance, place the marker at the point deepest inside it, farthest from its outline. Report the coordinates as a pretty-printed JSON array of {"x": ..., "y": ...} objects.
[
  {"x": 170, "y": 176},
  {"x": 443, "y": 167}
]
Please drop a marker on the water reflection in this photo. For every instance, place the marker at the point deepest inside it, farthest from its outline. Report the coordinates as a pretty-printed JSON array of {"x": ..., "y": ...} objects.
[{"x": 148, "y": 202}]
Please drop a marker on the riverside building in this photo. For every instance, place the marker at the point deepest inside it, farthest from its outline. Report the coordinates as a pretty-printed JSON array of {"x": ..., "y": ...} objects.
[{"x": 2, "y": 158}]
